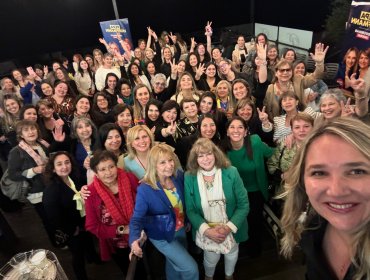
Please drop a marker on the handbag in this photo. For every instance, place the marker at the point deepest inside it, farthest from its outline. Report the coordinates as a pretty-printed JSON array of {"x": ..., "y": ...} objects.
[{"x": 14, "y": 189}]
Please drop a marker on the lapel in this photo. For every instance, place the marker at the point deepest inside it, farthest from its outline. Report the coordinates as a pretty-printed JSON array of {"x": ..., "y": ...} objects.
[{"x": 226, "y": 184}]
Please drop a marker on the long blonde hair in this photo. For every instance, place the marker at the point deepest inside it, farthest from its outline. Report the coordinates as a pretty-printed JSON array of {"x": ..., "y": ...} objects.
[
  {"x": 355, "y": 133},
  {"x": 132, "y": 133},
  {"x": 158, "y": 152}
]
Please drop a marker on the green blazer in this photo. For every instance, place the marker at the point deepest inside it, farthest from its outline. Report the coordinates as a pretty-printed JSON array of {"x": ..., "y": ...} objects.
[{"x": 237, "y": 204}]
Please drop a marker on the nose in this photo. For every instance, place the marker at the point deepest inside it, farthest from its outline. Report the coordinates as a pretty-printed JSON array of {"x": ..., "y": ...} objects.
[{"x": 338, "y": 186}]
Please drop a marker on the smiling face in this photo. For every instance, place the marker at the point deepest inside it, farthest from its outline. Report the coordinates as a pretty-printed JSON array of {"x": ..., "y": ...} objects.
[
  {"x": 124, "y": 119},
  {"x": 193, "y": 60},
  {"x": 61, "y": 90},
  {"x": 205, "y": 105},
  {"x": 142, "y": 96},
  {"x": 300, "y": 129},
  {"x": 236, "y": 131},
  {"x": 150, "y": 68},
  {"x": 289, "y": 104},
  {"x": 190, "y": 109},
  {"x": 211, "y": 71},
  {"x": 149, "y": 54},
  {"x": 17, "y": 75},
  {"x": 108, "y": 61},
  {"x": 142, "y": 142},
  {"x": 47, "y": 90},
  {"x": 216, "y": 54},
  {"x": 7, "y": 84},
  {"x": 201, "y": 49},
  {"x": 11, "y": 106},
  {"x": 363, "y": 61},
  {"x": 84, "y": 65},
  {"x": 245, "y": 112},
  {"x": 98, "y": 56},
  {"x": 351, "y": 59},
  {"x": 30, "y": 114},
  {"x": 159, "y": 85},
  {"x": 125, "y": 90},
  {"x": 241, "y": 42},
  {"x": 55, "y": 66},
  {"x": 59, "y": 74},
  {"x": 111, "y": 82},
  {"x": 153, "y": 112},
  {"x": 165, "y": 167},
  {"x": 83, "y": 131},
  {"x": 284, "y": 73},
  {"x": 337, "y": 184},
  {"x": 82, "y": 106},
  {"x": 169, "y": 116},
  {"x": 225, "y": 67},
  {"x": 29, "y": 134},
  {"x": 299, "y": 69},
  {"x": 272, "y": 54},
  {"x": 62, "y": 166},
  {"x": 46, "y": 112},
  {"x": 186, "y": 82},
  {"x": 330, "y": 107},
  {"x": 208, "y": 128},
  {"x": 290, "y": 56},
  {"x": 206, "y": 160},
  {"x": 113, "y": 141},
  {"x": 240, "y": 91},
  {"x": 134, "y": 70},
  {"x": 106, "y": 171},
  {"x": 102, "y": 103},
  {"x": 167, "y": 53},
  {"x": 181, "y": 67},
  {"x": 222, "y": 90}
]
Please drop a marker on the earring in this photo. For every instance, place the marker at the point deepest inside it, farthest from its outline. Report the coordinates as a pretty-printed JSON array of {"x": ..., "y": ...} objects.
[{"x": 303, "y": 217}]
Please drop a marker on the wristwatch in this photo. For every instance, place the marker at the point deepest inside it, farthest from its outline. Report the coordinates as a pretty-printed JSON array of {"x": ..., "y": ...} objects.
[{"x": 121, "y": 229}]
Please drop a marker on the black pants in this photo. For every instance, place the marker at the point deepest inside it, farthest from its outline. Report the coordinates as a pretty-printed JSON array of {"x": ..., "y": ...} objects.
[
  {"x": 77, "y": 247},
  {"x": 255, "y": 223},
  {"x": 50, "y": 230}
]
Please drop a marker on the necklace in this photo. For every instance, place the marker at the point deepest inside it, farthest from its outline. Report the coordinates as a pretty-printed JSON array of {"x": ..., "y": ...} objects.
[{"x": 142, "y": 165}]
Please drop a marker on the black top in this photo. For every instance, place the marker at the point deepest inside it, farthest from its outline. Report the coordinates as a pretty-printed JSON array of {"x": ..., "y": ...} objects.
[
  {"x": 311, "y": 244},
  {"x": 60, "y": 207}
]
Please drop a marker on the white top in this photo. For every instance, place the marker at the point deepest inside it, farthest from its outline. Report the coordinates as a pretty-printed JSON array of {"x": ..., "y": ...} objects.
[{"x": 101, "y": 74}]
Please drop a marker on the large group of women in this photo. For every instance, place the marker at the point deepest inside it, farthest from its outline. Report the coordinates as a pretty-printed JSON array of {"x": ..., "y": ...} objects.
[{"x": 143, "y": 147}]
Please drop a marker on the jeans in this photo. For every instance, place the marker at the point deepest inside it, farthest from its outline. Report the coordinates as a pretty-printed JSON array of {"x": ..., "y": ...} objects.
[
  {"x": 211, "y": 259},
  {"x": 179, "y": 264}
]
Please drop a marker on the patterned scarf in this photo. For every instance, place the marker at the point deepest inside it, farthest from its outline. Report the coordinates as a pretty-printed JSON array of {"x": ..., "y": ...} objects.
[
  {"x": 31, "y": 152},
  {"x": 120, "y": 211}
]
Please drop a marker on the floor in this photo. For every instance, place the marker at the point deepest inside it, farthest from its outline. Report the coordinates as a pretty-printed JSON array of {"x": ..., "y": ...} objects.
[{"x": 30, "y": 235}]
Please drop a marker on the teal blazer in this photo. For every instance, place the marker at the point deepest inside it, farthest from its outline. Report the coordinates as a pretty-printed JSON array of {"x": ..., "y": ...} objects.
[{"x": 237, "y": 204}]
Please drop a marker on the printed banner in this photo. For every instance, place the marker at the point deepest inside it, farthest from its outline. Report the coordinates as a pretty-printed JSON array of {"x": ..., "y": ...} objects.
[
  {"x": 117, "y": 34},
  {"x": 358, "y": 26}
]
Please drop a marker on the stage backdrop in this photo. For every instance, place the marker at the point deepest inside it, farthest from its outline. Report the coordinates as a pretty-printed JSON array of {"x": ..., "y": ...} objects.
[{"x": 114, "y": 29}]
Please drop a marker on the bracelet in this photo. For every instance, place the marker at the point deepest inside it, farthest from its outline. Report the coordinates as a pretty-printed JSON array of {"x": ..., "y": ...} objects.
[{"x": 121, "y": 229}]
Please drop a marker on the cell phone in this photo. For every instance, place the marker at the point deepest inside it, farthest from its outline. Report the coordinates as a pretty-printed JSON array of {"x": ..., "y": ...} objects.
[{"x": 30, "y": 71}]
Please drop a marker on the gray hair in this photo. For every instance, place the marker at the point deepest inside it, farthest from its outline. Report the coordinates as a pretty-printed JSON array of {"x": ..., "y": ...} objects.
[
  {"x": 335, "y": 93},
  {"x": 158, "y": 77}
]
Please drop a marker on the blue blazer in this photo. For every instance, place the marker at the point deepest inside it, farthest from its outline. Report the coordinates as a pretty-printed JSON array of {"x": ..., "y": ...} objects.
[{"x": 154, "y": 212}]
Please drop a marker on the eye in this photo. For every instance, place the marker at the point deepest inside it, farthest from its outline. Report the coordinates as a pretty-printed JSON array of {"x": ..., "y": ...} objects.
[
  {"x": 317, "y": 173},
  {"x": 358, "y": 171}
]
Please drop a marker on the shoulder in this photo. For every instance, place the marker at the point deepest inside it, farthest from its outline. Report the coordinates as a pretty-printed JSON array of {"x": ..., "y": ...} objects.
[{"x": 255, "y": 138}]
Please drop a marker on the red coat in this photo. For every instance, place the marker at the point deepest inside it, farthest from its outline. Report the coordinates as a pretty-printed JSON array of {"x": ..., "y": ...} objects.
[{"x": 94, "y": 223}]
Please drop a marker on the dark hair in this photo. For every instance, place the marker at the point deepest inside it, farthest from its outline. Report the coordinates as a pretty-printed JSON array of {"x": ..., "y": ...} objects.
[
  {"x": 130, "y": 76},
  {"x": 216, "y": 137},
  {"x": 300, "y": 106},
  {"x": 120, "y": 108},
  {"x": 287, "y": 50},
  {"x": 247, "y": 140},
  {"x": 24, "y": 109},
  {"x": 78, "y": 98},
  {"x": 38, "y": 66},
  {"x": 101, "y": 155},
  {"x": 103, "y": 134},
  {"x": 156, "y": 103},
  {"x": 188, "y": 67},
  {"x": 187, "y": 100},
  {"x": 264, "y": 35},
  {"x": 50, "y": 176},
  {"x": 81, "y": 71},
  {"x": 106, "y": 80},
  {"x": 168, "y": 105},
  {"x": 207, "y": 56},
  {"x": 95, "y": 103},
  {"x": 214, "y": 101},
  {"x": 296, "y": 62}
]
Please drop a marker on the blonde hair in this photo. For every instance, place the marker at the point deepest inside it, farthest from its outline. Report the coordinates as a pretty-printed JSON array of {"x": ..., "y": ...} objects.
[
  {"x": 138, "y": 109},
  {"x": 132, "y": 133},
  {"x": 204, "y": 145},
  {"x": 157, "y": 153},
  {"x": 357, "y": 134},
  {"x": 231, "y": 101}
]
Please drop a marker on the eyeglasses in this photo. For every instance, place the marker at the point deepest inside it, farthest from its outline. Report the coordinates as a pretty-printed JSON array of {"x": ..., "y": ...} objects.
[
  {"x": 282, "y": 70},
  {"x": 222, "y": 66},
  {"x": 213, "y": 203},
  {"x": 160, "y": 84}
]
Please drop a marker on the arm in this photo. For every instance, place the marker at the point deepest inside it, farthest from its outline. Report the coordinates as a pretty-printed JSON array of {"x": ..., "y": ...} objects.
[
  {"x": 138, "y": 218},
  {"x": 261, "y": 54},
  {"x": 209, "y": 39},
  {"x": 149, "y": 40},
  {"x": 319, "y": 58},
  {"x": 361, "y": 97}
]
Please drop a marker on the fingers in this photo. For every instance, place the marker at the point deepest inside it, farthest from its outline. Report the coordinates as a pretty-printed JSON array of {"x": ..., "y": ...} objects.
[
  {"x": 348, "y": 101},
  {"x": 353, "y": 76}
]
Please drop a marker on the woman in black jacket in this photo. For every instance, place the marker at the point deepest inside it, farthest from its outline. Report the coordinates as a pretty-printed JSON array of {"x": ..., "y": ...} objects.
[{"x": 65, "y": 209}]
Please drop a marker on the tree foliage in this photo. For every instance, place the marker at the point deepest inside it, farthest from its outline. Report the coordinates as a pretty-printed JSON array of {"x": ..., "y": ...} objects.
[{"x": 335, "y": 23}]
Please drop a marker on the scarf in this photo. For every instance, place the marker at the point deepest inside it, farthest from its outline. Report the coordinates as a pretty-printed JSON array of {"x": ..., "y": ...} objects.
[
  {"x": 80, "y": 205},
  {"x": 122, "y": 210},
  {"x": 31, "y": 152}
]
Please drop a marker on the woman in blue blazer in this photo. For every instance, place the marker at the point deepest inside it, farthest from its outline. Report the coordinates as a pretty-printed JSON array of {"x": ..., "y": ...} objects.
[{"x": 160, "y": 212}]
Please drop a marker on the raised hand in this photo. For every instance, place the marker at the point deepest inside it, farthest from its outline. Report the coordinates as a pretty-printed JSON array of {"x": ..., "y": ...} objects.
[
  {"x": 46, "y": 70},
  {"x": 320, "y": 53},
  {"x": 358, "y": 85},
  {"x": 173, "y": 67},
  {"x": 173, "y": 37},
  {"x": 171, "y": 129},
  {"x": 149, "y": 31},
  {"x": 200, "y": 70},
  {"x": 193, "y": 43},
  {"x": 208, "y": 29},
  {"x": 102, "y": 40},
  {"x": 261, "y": 51},
  {"x": 58, "y": 134},
  {"x": 347, "y": 109},
  {"x": 154, "y": 35},
  {"x": 262, "y": 115}
]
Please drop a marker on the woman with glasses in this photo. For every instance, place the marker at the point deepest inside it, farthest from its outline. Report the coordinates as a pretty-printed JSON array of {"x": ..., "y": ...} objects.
[
  {"x": 217, "y": 206},
  {"x": 248, "y": 153},
  {"x": 285, "y": 81},
  {"x": 160, "y": 90}
]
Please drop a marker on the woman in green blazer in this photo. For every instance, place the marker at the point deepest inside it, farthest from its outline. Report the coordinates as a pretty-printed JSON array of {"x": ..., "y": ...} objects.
[
  {"x": 248, "y": 153},
  {"x": 217, "y": 206}
]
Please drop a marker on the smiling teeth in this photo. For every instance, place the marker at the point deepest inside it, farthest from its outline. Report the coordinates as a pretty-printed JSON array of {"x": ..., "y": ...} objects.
[{"x": 340, "y": 206}]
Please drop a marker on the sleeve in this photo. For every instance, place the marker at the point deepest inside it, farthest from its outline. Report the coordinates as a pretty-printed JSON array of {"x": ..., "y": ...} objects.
[
  {"x": 15, "y": 165},
  {"x": 99, "y": 79},
  {"x": 242, "y": 202},
  {"x": 194, "y": 215},
  {"x": 93, "y": 218},
  {"x": 273, "y": 161},
  {"x": 138, "y": 218}
]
